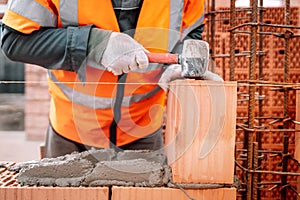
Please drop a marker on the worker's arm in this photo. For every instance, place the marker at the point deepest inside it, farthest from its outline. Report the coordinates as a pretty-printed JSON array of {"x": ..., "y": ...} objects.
[
  {"x": 71, "y": 48},
  {"x": 196, "y": 33},
  {"x": 52, "y": 48}
]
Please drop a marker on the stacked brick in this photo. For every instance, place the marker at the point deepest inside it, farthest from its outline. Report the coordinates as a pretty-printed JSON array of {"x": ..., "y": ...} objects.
[
  {"x": 199, "y": 162},
  {"x": 273, "y": 70},
  {"x": 53, "y": 193},
  {"x": 200, "y": 132},
  {"x": 37, "y": 102},
  {"x": 133, "y": 193}
]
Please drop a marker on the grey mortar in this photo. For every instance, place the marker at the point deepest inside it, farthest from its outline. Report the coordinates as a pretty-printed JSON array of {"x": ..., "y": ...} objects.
[
  {"x": 102, "y": 167},
  {"x": 59, "y": 173},
  {"x": 136, "y": 172},
  {"x": 93, "y": 156},
  {"x": 154, "y": 156}
]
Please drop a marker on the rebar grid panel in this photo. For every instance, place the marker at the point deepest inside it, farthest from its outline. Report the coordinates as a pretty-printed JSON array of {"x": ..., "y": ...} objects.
[{"x": 256, "y": 125}]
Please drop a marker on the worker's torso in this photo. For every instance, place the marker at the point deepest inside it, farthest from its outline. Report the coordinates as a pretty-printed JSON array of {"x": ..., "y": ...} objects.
[
  {"x": 84, "y": 113},
  {"x": 142, "y": 102}
]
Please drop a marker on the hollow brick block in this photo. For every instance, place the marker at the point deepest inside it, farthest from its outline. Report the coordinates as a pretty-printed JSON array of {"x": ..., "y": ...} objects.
[
  {"x": 297, "y": 134},
  {"x": 53, "y": 193},
  {"x": 137, "y": 193},
  {"x": 200, "y": 131}
]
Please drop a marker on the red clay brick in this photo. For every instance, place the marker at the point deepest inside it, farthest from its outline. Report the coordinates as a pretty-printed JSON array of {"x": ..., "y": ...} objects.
[
  {"x": 137, "y": 193},
  {"x": 297, "y": 134},
  {"x": 53, "y": 193},
  {"x": 200, "y": 131}
]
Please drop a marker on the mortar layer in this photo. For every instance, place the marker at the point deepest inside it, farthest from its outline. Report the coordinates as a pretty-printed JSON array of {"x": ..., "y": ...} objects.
[
  {"x": 126, "y": 172},
  {"x": 102, "y": 167}
]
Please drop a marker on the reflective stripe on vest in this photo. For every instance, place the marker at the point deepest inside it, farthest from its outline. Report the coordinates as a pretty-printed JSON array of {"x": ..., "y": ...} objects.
[
  {"x": 98, "y": 102},
  {"x": 33, "y": 11},
  {"x": 69, "y": 12},
  {"x": 176, "y": 8}
]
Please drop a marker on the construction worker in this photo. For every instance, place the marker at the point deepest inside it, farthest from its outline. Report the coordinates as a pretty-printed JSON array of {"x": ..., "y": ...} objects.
[{"x": 104, "y": 92}]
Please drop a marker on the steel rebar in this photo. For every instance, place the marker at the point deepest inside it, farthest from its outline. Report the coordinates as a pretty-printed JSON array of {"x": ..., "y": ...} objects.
[
  {"x": 283, "y": 192},
  {"x": 232, "y": 39}
]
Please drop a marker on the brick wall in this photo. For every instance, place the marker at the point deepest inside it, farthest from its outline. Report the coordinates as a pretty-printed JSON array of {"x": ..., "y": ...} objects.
[
  {"x": 273, "y": 101},
  {"x": 36, "y": 102}
]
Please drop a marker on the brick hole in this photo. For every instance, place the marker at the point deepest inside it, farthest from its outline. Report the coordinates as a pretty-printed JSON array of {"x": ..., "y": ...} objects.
[
  {"x": 226, "y": 22},
  {"x": 281, "y": 51},
  {"x": 268, "y": 21}
]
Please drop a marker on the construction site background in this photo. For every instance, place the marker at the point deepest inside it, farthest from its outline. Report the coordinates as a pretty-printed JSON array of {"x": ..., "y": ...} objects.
[{"x": 36, "y": 97}]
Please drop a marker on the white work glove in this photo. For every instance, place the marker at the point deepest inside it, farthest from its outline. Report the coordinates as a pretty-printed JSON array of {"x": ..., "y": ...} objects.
[
  {"x": 124, "y": 54},
  {"x": 173, "y": 72},
  {"x": 208, "y": 75}
]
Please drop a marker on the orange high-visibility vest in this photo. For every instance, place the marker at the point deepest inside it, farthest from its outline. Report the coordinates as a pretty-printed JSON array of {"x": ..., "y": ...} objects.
[{"x": 84, "y": 112}]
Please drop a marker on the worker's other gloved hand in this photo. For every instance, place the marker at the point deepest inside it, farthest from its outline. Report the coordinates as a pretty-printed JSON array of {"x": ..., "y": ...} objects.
[
  {"x": 208, "y": 75},
  {"x": 171, "y": 73},
  {"x": 124, "y": 54}
]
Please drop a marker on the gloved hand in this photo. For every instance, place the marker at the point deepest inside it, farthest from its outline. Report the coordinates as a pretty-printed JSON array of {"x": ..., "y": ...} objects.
[
  {"x": 208, "y": 75},
  {"x": 117, "y": 52},
  {"x": 171, "y": 73},
  {"x": 174, "y": 72},
  {"x": 124, "y": 54}
]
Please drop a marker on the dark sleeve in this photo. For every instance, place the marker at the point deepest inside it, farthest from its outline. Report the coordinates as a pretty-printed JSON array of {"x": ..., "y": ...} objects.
[
  {"x": 196, "y": 33},
  {"x": 52, "y": 48}
]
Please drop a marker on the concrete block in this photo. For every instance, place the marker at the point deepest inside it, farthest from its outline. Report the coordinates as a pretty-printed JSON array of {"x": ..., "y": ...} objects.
[
  {"x": 200, "y": 131},
  {"x": 137, "y": 193}
]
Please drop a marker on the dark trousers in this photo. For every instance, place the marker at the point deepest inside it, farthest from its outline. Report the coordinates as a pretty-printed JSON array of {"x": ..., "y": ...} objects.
[{"x": 56, "y": 145}]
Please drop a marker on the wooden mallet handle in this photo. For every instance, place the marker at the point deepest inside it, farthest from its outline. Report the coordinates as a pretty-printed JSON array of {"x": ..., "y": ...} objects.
[{"x": 163, "y": 58}]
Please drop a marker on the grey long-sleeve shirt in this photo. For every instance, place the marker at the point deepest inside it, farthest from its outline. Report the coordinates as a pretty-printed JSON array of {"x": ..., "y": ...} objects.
[{"x": 52, "y": 48}]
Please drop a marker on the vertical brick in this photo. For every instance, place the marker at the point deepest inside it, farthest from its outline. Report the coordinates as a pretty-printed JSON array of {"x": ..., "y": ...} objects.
[{"x": 200, "y": 131}]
